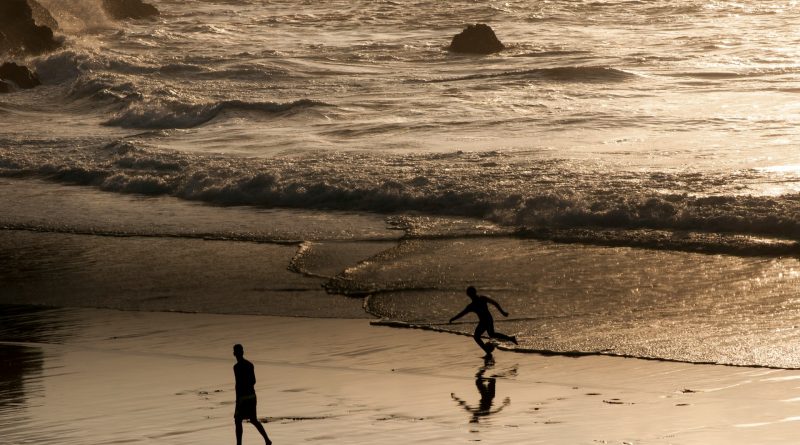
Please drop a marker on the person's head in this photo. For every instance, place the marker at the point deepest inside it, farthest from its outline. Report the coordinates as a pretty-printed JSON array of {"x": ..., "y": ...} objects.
[
  {"x": 472, "y": 292},
  {"x": 238, "y": 350}
]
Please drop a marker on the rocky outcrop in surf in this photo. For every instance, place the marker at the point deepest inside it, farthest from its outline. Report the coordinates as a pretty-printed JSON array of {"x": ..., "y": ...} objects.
[
  {"x": 19, "y": 31},
  {"x": 129, "y": 9},
  {"x": 476, "y": 39},
  {"x": 21, "y": 76}
]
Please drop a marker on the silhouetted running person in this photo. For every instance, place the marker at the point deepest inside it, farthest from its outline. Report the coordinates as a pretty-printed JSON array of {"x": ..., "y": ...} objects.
[
  {"x": 480, "y": 305},
  {"x": 245, "y": 395}
]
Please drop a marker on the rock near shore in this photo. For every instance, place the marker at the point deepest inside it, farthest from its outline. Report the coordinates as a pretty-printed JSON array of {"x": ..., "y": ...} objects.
[
  {"x": 19, "y": 32},
  {"x": 476, "y": 39},
  {"x": 21, "y": 76}
]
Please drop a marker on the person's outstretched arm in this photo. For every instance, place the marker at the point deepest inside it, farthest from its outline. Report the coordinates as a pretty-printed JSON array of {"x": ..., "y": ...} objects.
[
  {"x": 497, "y": 305},
  {"x": 460, "y": 314}
]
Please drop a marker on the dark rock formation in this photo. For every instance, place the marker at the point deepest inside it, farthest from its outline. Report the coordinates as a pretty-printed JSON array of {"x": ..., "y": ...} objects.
[
  {"x": 129, "y": 9},
  {"x": 476, "y": 39},
  {"x": 20, "y": 33},
  {"x": 20, "y": 75},
  {"x": 5, "y": 87}
]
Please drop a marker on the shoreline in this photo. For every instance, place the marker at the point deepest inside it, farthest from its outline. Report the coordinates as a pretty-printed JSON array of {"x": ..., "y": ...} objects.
[
  {"x": 628, "y": 301},
  {"x": 167, "y": 377},
  {"x": 568, "y": 354}
]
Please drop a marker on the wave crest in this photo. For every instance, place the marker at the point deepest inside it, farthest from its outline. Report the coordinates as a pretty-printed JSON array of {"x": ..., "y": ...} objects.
[
  {"x": 162, "y": 114},
  {"x": 561, "y": 74},
  {"x": 482, "y": 185}
]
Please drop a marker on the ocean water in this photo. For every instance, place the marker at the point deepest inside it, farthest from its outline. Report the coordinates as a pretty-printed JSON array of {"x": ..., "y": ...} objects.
[{"x": 623, "y": 178}]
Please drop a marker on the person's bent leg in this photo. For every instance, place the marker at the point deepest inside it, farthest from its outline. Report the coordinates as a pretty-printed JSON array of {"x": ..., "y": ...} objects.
[
  {"x": 477, "y": 337},
  {"x": 261, "y": 430},
  {"x": 500, "y": 336}
]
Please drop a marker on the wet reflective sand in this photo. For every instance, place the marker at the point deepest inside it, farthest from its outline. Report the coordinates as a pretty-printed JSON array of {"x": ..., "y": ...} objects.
[{"x": 97, "y": 377}]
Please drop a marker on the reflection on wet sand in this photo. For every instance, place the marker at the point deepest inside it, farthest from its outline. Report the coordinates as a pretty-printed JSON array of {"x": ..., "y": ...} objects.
[
  {"x": 35, "y": 324},
  {"x": 20, "y": 382},
  {"x": 22, "y": 364},
  {"x": 487, "y": 387},
  {"x": 19, "y": 366}
]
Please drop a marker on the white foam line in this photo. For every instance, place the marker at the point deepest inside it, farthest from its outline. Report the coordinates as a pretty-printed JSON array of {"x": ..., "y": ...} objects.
[
  {"x": 754, "y": 425},
  {"x": 782, "y": 379}
]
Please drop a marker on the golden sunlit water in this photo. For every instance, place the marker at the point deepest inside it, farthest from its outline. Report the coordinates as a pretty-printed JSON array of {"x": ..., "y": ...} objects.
[
  {"x": 624, "y": 174},
  {"x": 306, "y": 177}
]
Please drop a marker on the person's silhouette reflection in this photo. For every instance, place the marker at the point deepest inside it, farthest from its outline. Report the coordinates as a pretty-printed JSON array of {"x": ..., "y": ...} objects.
[{"x": 486, "y": 388}]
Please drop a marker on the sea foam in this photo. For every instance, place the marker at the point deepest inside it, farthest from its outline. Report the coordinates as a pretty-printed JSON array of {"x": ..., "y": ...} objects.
[{"x": 481, "y": 185}]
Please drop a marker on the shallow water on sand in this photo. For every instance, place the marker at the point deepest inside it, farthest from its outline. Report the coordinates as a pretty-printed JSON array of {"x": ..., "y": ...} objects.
[
  {"x": 619, "y": 301},
  {"x": 565, "y": 298}
]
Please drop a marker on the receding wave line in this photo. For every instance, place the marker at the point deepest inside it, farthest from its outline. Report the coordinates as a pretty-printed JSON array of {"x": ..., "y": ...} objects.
[
  {"x": 722, "y": 75},
  {"x": 564, "y": 74},
  {"x": 697, "y": 242},
  {"x": 176, "y": 114},
  {"x": 566, "y": 353},
  {"x": 208, "y": 236}
]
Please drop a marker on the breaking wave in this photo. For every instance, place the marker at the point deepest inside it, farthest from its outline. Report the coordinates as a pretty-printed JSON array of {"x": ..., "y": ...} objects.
[
  {"x": 176, "y": 114},
  {"x": 482, "y": 185}
]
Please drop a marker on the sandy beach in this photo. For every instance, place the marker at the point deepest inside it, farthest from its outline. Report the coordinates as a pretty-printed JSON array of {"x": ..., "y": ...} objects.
[{"x": 94, "y": 376}]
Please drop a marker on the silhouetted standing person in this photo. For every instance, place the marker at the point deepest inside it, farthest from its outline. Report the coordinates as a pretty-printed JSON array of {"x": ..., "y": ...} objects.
[
  {"x": 480, "y": 305},
  {"x": 245, "y": 395}
]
